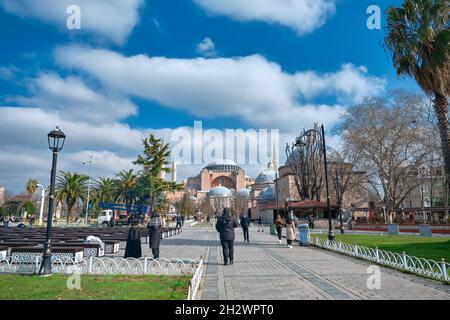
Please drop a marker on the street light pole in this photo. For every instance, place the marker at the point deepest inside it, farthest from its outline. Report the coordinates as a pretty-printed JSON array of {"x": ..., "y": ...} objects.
[
  {"x": 338, "y": 200},
  {"x": 41, "y": 209},
  {"x": 330, "y": 222},
  {"x": 89, "y": 189},
  {"x": 299, "y": 143},
  {"x": 56, "y": 140}
]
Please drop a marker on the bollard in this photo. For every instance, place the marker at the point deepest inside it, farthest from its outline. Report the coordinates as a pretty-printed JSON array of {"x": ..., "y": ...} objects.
[
  {"x": 90, "y": 265},
  {"x": 145, "y": 265},
  {"x": 444, "y": 270},
  {"x": 405, "y": 261}
]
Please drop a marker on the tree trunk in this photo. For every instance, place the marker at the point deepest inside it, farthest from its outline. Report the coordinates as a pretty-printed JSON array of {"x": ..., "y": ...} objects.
[
  {"x": 441, "y": 109},
  {"x": 69, "y": 213}
]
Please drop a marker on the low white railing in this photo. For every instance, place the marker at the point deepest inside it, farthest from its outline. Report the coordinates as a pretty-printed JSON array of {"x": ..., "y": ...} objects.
[
  {"x": 105, "y": 265},
  {"x": 427, "y": 268},
  {"x": 194, "y": 284}
]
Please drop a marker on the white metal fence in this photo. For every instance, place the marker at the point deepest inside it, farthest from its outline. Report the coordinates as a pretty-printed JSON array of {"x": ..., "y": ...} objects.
[
  {"x": 194, "y": 284},
  {"x": 105, "y": 265},
  {"x": 427, "y": 268}
]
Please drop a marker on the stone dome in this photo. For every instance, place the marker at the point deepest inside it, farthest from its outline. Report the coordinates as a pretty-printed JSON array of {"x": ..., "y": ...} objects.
[
  {"x": 220, "y": 192},
  {"x": 223, "y": 165},
  {"x": 266, "y": 176},
  {"x": 244, "y": 193},
  {"x": 268, "y": 194}
]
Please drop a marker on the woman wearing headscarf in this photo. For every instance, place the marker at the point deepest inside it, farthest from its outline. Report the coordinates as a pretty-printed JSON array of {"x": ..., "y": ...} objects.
[
  {"x": 155, "y": 227},
  {"x": 225, "y": 226},
  {"x": 133, "y": 249},
  {"x": 290, "y": 232}
]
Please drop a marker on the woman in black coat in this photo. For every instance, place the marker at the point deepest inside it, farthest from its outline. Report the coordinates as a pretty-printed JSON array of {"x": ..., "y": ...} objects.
[
  {"x": 154, "y": 231},
  {"x": 133, "y": 249}
]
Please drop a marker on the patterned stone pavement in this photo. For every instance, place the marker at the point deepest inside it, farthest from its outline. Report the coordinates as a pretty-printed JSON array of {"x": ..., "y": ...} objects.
[{"x": 265, "y": 269}]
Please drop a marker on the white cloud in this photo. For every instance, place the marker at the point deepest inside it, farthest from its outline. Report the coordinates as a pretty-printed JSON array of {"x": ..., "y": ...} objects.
[
  {"x": 74, "y": 100},
  {"x": 31, "y": 125},
  {"x": 303, "y": 16},
  {"x": 112, "y": 19},
  {"x": 250, "y": 88},
  {"x": 348, "y": 84},
  {"x": 207, "y": 48}
]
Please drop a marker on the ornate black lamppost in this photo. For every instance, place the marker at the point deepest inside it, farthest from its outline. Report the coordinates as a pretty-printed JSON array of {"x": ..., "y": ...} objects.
[
  {"x": 299, "y": 144},
  {"x": 56, "y": 140}
]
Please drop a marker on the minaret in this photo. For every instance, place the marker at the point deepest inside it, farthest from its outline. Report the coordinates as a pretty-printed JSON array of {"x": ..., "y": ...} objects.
[
  {"x": 174, "y": 171},
  {"x": 275, "y": 158}
]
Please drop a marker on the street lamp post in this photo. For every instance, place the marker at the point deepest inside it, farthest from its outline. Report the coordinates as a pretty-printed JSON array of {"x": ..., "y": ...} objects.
[
  {"x": 56, "y": 139},
  {"x": 41, "y": 209},
  {"x": 300, "y": 143},
  {"x": 338, "y": 198},
  {"x": 89, "y": 189}
]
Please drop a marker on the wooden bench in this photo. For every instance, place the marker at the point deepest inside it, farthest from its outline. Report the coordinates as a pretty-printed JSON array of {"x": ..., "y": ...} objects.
[{"x": 89, "y": 249}]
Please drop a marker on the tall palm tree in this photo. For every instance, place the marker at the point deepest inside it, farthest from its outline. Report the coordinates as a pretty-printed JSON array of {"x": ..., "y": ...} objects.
[
  {"x": 104, "y": 190},
  {"x": 32, "y": 186},
  {"x": 70, "y": 189},
  {"x": 419, "y": 40},
  {"x": 125, "y": 187}
]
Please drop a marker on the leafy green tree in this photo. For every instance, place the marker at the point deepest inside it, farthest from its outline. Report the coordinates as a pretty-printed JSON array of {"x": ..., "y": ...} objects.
[
  {"x": 155, "y": 158},
  {"x": 70, "y": 189},
  {"x": 419, "y": 40},
  {"x": 12, "y": 206},
  {"x": 151, "y": 189},
  {"x": 29, "y": 207}
]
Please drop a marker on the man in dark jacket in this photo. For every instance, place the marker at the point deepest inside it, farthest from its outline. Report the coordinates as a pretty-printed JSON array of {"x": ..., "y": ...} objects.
[
  {"x": 155, "y": 228},
  {"x": 245, "y": 223},
  {"x": 225, "y": 226}
]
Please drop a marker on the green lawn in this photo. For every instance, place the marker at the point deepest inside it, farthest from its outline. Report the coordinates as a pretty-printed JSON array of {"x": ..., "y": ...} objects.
[
  {"x": 16, "y": 287},
  {"x": 429, "y": 248}
]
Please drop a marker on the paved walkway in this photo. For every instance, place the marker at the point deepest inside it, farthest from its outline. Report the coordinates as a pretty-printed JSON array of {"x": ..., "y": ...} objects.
[{"x": 265, "y": 269}]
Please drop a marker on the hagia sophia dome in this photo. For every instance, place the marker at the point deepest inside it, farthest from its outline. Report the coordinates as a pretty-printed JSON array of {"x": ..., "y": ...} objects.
[
  {"x": 220, "y": 192},
  {"x": 224, "y": 165}
]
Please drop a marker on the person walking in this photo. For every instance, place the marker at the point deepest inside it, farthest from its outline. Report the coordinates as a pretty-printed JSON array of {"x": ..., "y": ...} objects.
[
  {"x": 261, "y": 223},
  {"x": 178, "y": 220},
  {"x": 133, "y": 248},
  {"x": 311, "y": 221},
  {"x": 225, "y": 226},
  {"x": 32, "y": 220},
  {"x": 245, "y": 223},
  {"x": 155, "y": 227},
  {"x": 290, "y": 232},
  {"x": 279, "y": 223}
]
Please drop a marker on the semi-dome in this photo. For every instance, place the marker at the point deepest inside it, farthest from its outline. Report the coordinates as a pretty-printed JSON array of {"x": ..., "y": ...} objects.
[
  {"x": 244, "y": 193},
  {"x": 268, "y": 194},
  {"x": 222, "y": 165},
  {"x": 220, "y": 192},
  {"x": 266, "y": 176}
]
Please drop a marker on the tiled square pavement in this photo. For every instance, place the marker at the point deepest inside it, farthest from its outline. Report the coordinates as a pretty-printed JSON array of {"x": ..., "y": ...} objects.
[{"x": 265, "y": 270}]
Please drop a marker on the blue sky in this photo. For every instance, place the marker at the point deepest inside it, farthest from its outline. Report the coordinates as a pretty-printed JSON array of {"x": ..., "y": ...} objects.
[{"x": 139, "y": 67}]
